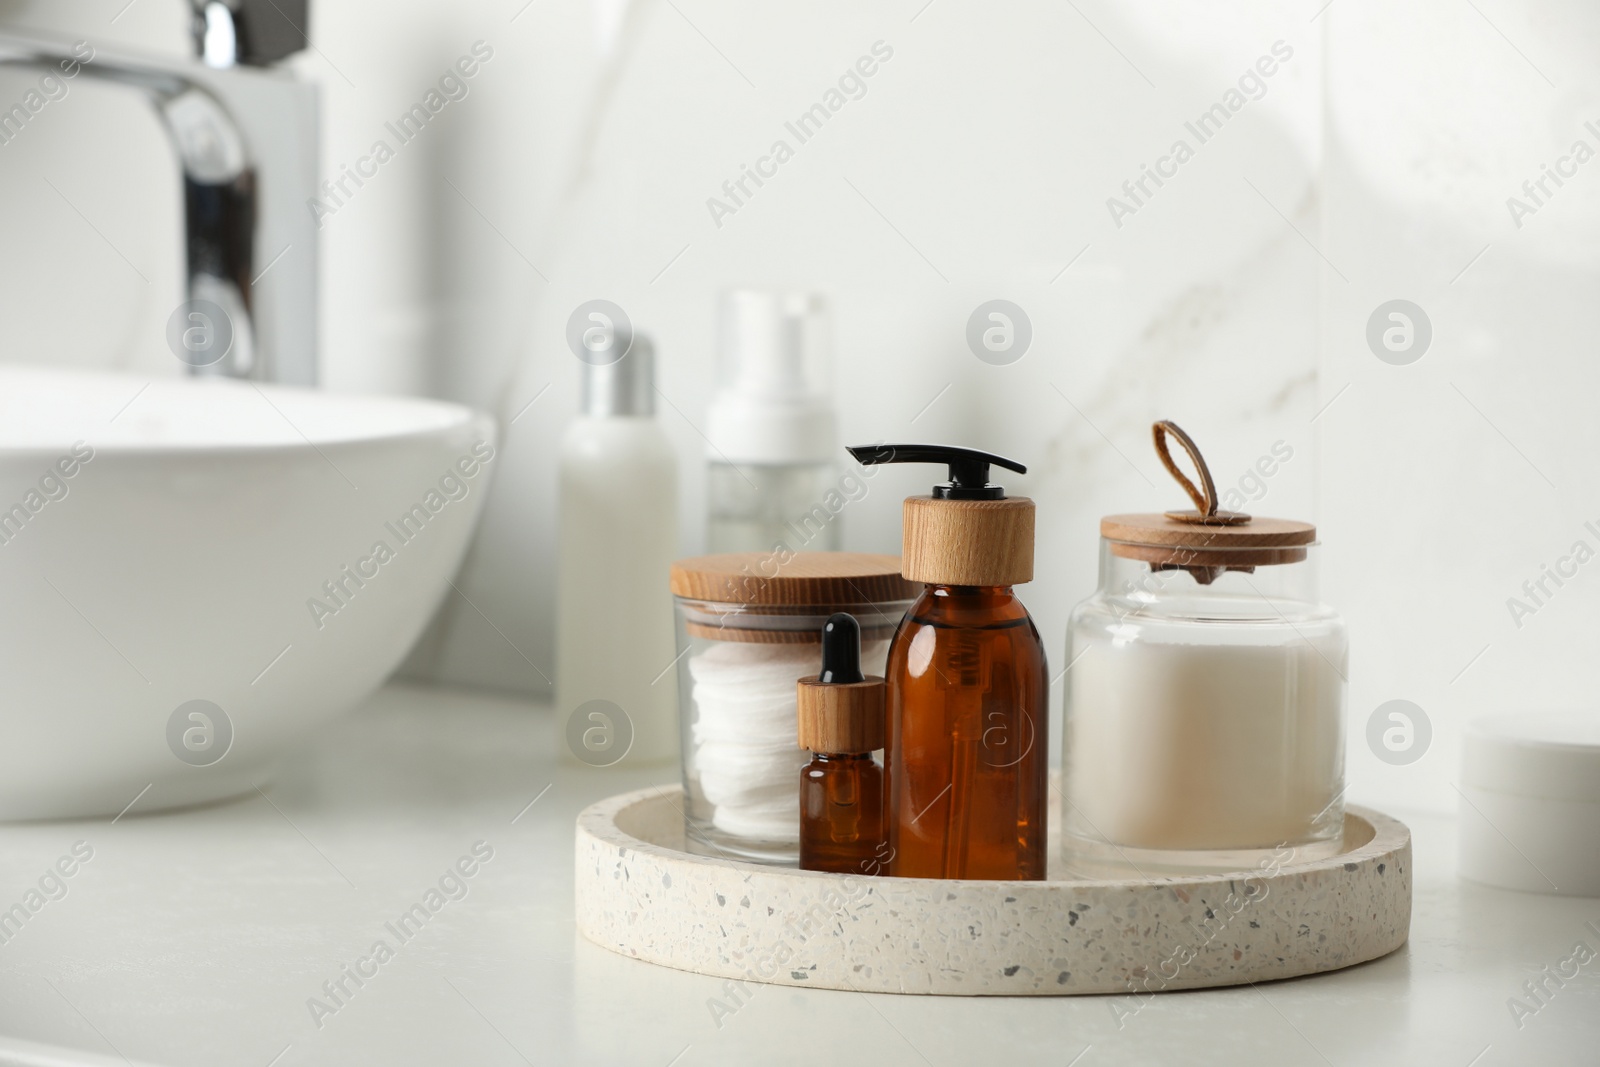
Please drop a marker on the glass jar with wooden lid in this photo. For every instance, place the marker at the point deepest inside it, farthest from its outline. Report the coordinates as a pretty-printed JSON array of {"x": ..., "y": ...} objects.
[
  {"x": 1205, "y": 694},
  {"x": 749, "y": 627}
]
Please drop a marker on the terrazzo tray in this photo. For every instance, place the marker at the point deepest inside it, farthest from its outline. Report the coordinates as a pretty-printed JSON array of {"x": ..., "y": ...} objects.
[{"x": 640, "y": 894}]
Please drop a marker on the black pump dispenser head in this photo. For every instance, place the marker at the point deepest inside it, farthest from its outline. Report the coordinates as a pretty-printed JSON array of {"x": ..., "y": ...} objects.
[
  {"x": 841, "y": 650},
  {"x": 969, "y": 468}
]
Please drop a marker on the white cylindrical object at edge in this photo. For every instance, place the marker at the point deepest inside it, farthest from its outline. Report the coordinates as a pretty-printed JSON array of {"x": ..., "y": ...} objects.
[{"x": 1530, "y": 803}]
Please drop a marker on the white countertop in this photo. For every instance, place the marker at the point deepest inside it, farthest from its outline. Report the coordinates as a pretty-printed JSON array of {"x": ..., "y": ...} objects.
[{"x": 198, "y": 937}]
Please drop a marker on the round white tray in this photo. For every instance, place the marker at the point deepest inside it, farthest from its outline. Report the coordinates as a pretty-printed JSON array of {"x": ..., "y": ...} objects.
[{"x": 640, "y": 894}]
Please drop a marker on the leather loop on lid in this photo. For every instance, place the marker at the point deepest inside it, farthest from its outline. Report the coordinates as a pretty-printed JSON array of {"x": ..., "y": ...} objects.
[
  {"x": 1205, "y": 542},
  {"x": 1205, "y": 500}
]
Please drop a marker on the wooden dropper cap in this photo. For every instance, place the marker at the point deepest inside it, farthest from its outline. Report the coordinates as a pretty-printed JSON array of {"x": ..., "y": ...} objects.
[{"x": 841, "y": 710}]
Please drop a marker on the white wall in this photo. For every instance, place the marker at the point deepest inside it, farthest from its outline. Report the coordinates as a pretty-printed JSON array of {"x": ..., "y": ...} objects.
[
  {"x": 991, "y": 143},
  {"x": 1448, "y": 483},
  {"x": 977, "y": 166}
]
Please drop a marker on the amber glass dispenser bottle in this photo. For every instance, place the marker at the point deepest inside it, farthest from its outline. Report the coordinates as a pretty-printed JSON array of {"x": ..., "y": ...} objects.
[
  {"x": 841, "y": 789},
  {"x": 965, "y": 756}
]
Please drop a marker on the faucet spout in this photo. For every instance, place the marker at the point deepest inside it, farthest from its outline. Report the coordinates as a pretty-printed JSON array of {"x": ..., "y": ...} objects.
[
  {"x": 245, "y": 141},
  {"x": 219, "y": 202}
]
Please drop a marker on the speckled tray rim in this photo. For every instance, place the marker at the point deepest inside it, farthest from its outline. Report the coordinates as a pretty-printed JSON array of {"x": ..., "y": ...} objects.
[{"x": 695, "y": 913}]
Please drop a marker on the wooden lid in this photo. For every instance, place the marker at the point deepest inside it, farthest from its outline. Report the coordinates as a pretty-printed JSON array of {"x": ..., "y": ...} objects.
[
  {"x": 1163, "y": 539},
  {"x": 1203, "y": 540},
  {"x": 840, "y": 718},
  {"x": 968, "y": 542},
  {"x": 797, "y": 579}
]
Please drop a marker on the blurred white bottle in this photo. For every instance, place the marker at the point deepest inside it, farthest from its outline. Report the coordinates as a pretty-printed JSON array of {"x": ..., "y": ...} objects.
[
  {"x": 618, "y": 537},
  {"x": 772, "y": 429}
]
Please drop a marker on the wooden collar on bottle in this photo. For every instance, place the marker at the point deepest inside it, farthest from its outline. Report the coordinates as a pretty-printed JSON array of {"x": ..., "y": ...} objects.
[
  {"x": 841, "y": 718},
  {"x": 968, "y": 542}
]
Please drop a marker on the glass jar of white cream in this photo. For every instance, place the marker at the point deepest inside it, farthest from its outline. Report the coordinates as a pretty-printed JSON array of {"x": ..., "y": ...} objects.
[{"x": 1204, "y": 698}]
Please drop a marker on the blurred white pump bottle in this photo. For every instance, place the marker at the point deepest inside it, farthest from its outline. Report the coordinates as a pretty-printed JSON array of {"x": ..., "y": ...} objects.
[
  {"x": 772, "y": 429},
  {"x": 617, "y": 539}
]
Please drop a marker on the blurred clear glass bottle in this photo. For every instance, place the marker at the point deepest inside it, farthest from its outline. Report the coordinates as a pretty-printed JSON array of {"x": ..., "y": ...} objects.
[
  {"x": 618, "y": 538},
  {"x": 772, "y": 427}
]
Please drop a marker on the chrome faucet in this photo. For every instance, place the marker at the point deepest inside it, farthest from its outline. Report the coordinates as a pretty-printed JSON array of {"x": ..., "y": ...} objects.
[{"x": 245, "y": 136}]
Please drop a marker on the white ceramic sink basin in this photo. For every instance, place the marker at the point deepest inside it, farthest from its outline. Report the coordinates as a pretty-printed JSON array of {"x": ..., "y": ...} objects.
[{"x": 172, "y": 548}]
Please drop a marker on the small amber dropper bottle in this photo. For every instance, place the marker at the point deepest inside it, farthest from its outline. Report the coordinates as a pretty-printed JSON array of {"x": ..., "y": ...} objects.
[{"x": 842, "y": 826}]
